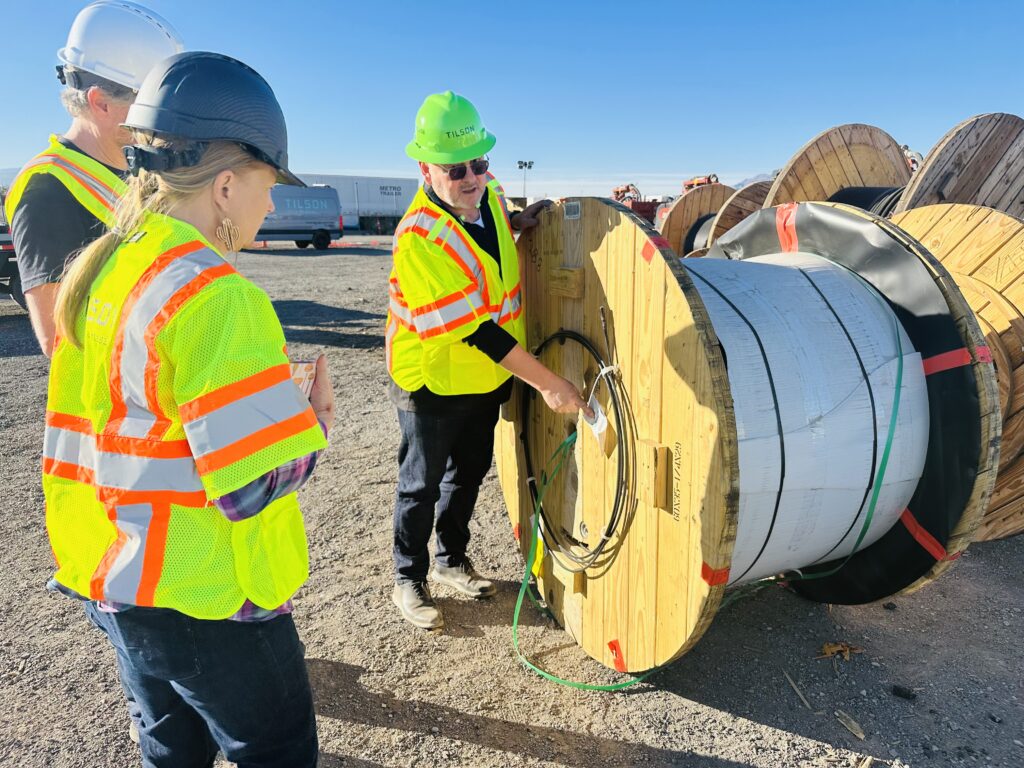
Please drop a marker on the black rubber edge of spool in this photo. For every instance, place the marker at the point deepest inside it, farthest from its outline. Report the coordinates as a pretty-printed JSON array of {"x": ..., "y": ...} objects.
[{"x": 869, "y": 246}]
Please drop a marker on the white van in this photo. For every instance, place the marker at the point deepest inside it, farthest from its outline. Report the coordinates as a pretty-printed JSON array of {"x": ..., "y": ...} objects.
[{"x": 305, "y": 215}]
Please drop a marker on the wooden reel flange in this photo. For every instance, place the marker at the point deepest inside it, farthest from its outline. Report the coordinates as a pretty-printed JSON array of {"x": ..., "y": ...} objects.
[{"x": 595, "y": 268}]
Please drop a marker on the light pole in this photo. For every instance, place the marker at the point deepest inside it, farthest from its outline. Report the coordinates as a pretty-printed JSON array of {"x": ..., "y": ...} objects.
[{"x": 524, "y": 166}]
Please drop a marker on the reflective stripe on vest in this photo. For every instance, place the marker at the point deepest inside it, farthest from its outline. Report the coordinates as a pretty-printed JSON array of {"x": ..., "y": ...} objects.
[
  {"x": 168, "y": 283},
  {"x": 263, "y": 408},
  {"x": 89, "y": 181},
  {"x": 466, "y": 287}
]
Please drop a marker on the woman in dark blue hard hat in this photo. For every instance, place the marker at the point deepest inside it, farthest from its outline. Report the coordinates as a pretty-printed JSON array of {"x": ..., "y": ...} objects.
[{"x": 176, "y": 438}]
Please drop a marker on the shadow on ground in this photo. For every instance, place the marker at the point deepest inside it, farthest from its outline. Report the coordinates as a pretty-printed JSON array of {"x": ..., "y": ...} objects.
[
  {"x": 309, "y": 322},
  {"x": 341, "y": 696}
]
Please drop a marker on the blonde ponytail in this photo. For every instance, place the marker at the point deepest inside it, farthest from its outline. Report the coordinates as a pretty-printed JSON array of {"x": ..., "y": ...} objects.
[{"x": 148, "y": 192}]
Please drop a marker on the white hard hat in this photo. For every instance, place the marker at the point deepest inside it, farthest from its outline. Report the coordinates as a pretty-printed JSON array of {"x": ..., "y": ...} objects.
[{"x": 119, "y": 41}]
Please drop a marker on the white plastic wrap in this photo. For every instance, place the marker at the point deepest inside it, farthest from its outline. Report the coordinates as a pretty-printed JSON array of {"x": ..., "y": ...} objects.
[{"x": 823, "y": 461}]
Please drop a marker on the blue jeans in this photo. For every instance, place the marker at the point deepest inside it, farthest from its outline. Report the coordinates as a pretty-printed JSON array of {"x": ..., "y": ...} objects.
[
  {"x": 442, "y": 460},
  {"x": 199, "y": 686}
]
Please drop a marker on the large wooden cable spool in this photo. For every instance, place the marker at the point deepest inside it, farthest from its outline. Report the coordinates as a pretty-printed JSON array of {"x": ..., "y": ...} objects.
[
  {"x": 744, "y": 201},
  {"x": 688, "y": 212},
  {"x": 983, "y": 249},
  {"x": 838, "y": 159},
  {"x": 978, "y": 162},
  {"x": 660, "y": 580}
]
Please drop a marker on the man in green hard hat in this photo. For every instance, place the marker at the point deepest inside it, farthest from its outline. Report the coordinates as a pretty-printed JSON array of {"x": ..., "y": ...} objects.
[{"x": 455, "y": 336}]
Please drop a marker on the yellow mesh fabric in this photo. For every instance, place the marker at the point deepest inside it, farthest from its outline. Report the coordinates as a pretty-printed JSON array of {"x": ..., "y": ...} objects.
[
  {"x": 198, "y": 556},
  {"x": 272, "y": 553},
  {"x": 228, "y": 333},
  {"x": 79, "y": 530}
]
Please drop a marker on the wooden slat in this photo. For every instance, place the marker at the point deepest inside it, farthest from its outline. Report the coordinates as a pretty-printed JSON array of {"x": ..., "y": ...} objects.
[
  {"x": 690, "y": 207},
  {"x": 739, "y": 206},
  {"x": 846, "y": 156},
  {"x": 984, "y": 251},
  {"x": 978, "y": 162}
]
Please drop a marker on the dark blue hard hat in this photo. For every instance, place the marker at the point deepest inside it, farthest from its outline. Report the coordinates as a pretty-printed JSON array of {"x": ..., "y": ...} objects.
[{"x": 202, "y": 97}]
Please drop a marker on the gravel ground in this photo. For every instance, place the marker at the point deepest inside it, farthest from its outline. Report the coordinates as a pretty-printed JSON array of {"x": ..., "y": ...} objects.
[{"x": 389, "y": 695}]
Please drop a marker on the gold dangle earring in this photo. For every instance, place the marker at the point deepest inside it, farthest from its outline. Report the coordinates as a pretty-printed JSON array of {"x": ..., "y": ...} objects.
[{"x": 227, "y": 233}]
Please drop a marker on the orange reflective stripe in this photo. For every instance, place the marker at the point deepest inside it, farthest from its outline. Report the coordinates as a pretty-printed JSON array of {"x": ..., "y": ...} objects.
[
  {"x": 257, "y": 441},
  {"x": 449, "y": 327},
  {"x": 118, "y": 409},
  {"x": 85, "y": 185},
  {"x": 153, "y": 559},
  {"x": 150, "y": 449},
  {"x": 229, "y": 393},
  {"x": 182, "y": 295},
  {"x": 109, "y": 495},
  {"x": 483, "y": 274},
  {"x": 442, "y": 302},
  {"x": 67, "y": 471},
  {"x": 92, "y": 176},
  {"x": 67, "y": 421}
]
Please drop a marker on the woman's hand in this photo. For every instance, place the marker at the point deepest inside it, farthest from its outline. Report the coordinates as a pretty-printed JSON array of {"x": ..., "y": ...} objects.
[{"x": 321, "y": 397}]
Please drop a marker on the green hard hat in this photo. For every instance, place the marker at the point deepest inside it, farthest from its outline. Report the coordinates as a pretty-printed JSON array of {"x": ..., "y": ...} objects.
[{"x": 448, "y": 130}]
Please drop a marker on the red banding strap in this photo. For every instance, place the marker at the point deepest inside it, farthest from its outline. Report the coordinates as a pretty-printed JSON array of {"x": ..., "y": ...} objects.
[
  {"x": 925, "y": 539},
  {"x": 712, "y": 576},
  {"x": 955, "y": 359},
  {"x": 515, "y": 531},
  {"x": 616, "y": 649},
  {"x": 785, "y": 224}
]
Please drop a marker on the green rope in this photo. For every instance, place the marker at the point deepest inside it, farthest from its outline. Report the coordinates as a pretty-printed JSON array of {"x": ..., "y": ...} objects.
[{"x": 557, "y": 458}]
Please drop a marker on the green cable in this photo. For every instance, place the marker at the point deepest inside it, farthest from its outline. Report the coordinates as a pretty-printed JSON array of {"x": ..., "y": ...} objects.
[{"x": 558, "y": 457}]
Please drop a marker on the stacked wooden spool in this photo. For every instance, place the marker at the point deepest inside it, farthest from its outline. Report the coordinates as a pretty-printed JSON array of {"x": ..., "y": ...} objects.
[
  {"x": 594, "y": 268},
  {"x": 964, "y": 203},
  {"x": 978, "y": 166}
]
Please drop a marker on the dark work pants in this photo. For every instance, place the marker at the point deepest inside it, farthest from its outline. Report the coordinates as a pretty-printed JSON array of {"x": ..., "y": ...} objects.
[
  {"x": 442, "y": 460},
  {"x": 202, "y": 685}
]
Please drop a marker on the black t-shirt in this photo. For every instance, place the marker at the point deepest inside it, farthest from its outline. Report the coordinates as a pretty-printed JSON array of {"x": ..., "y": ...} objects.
[
  {"x": 50, "y": 227},
  {"x": 490, "y": 338}
]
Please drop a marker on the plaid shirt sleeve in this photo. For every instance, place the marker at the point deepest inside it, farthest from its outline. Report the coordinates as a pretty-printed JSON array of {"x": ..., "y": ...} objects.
[{"x": 251, "y": 499}]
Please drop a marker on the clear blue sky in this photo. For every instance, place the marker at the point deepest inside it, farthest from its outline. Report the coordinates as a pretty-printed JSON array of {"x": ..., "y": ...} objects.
[{"x": 596, "y": 93}]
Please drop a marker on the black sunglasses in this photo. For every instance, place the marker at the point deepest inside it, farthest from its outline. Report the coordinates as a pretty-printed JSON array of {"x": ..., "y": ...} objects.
[{"x": 458, "y": 172}]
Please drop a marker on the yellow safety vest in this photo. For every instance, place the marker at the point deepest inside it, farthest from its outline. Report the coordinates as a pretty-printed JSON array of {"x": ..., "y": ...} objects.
[
  {"x": 442, "y": 287},
  {"x": 89, "y": 181},
  {"x": 181, "y": 393}
]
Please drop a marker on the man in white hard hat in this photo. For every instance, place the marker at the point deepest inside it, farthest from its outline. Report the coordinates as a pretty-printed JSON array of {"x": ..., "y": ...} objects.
[{"x": 64, "y": 197}]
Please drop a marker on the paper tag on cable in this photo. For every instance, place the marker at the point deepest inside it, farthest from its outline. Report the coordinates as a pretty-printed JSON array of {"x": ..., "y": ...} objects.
[{"x": 599, "y": 423}]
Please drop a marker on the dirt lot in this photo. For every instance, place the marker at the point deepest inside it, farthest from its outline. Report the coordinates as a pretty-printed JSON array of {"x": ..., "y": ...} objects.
[{"x": 389, "y": 695}]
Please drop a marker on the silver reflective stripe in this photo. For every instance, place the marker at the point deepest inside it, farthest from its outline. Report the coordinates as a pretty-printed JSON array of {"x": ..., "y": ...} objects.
[
  {"x": 400, "y": 311},
  {"x": 240, "y": 419},
  {"x": 448, "y": 315},
  {"x": 509, "y": 308},
  {"x": 125, "y": 575},
  {"x": 83, "y": 177},
  {"x": 118, "y": 470},
  {"x": 134, "y": 354},
  {"x": 392, "y": 329},
  {"x": 143, "y": 473},
  {"x": 69, "y": 447},
  {"x": 465, "y": 255},
  {"x": 424, "y": 220}
]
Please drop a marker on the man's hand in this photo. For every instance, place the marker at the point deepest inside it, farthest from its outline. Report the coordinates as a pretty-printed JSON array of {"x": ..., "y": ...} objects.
[{"x": 530, "y": 216}]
